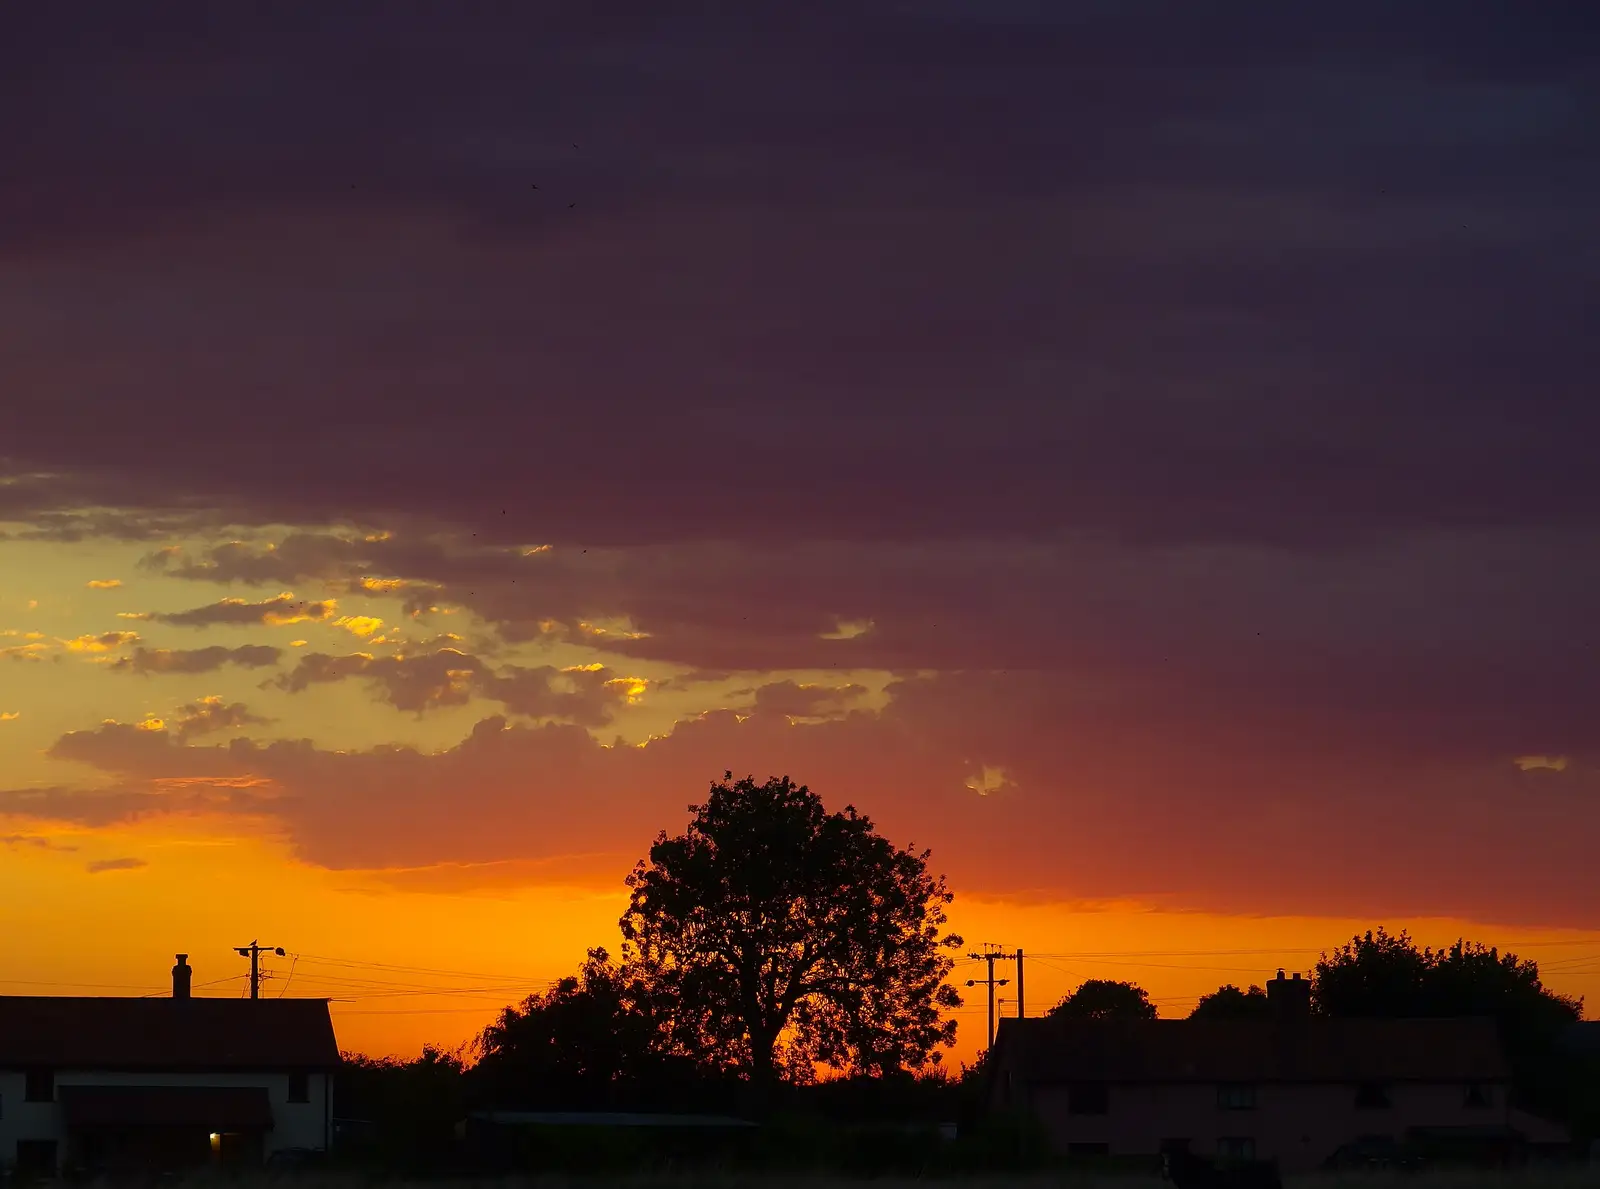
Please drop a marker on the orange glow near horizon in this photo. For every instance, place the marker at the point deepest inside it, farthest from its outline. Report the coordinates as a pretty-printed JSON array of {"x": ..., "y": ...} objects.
[{"x": 407, "y": 966}]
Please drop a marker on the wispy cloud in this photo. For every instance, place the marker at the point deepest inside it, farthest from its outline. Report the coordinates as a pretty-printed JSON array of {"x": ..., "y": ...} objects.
[
  {"x": 197, "y": 660},
  {"x": 274, "y": 612},
  {"x": 104, "y": 642},
  {"x": 100, "y": 866},
  {"x": 103, "y": 583},
  {"x": 1537, "y": 763}
]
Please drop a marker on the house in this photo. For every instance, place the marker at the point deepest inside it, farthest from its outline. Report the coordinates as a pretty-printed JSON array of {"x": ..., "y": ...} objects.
[
  {"x": 101, "y": 1084},
  {"x": 1294, "y": 1088}
]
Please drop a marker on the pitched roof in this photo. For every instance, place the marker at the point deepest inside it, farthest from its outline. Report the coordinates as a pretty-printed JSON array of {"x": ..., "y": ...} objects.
[
  {"x": 1308, "y": 1050},
  {"x": 80, "y": 1032}
]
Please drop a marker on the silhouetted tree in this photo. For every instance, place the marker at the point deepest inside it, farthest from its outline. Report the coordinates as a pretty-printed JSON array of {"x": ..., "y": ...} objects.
[
  {"x": 590, "y": 1039},
  {"x": 1379, "y": 974},
  {"x": 778, "y": 935},
  {"x": 1230, "y": 1003},
  {"x": 1384, "y": 974},
  {"x": 413, "y": 1105},
  {"x": 1105, "y": 999}
]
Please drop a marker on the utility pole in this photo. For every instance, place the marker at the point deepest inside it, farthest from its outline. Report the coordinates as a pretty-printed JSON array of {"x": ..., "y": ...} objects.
[
  {"x": 253, "y": 951},
  {"x": 990, "y": 955},
  {"x": 1020, "y": 1011}
]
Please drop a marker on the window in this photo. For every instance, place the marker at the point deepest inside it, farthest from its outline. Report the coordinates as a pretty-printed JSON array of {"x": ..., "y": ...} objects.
[
  {"x": 299, "y": 1086},
  {"x": 1236, "y": 1147},
  {"x": 1479, "y": 1095},
  {"x": 36, "y": 1158},
  {"x": 1088, "y": 1149},
  {"x": 1175, "y": 1144},
  {"x": 39, "y": 1085},
  {"x": 1372, "y": 1096},
  {"x": 1087, "y": 1098},
  {"x": 1236, "y": 1096}
]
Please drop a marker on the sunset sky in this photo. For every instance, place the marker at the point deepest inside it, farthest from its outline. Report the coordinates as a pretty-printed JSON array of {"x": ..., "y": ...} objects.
[{"x": 1144, "y": 452}]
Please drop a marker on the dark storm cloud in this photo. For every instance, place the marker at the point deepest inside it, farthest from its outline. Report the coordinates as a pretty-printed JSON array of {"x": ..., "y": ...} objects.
[{"x": 1164, "y": 271}]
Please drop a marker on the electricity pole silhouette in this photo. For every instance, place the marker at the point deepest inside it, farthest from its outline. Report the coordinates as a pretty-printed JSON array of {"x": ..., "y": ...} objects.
[
  {"x": 1020, "y": 1012},
  {"x": 253, "y": 951},
  {"x": 991, "y": 982}
]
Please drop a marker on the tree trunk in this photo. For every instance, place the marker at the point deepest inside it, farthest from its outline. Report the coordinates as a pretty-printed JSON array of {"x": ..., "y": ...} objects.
[{"x": 763, "y": 1074}]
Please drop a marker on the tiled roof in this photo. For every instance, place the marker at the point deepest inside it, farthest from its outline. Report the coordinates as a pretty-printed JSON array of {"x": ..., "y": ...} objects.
[
  {"x": 1314, "y": 1049},
  {"x": 156, "y": 1034}
]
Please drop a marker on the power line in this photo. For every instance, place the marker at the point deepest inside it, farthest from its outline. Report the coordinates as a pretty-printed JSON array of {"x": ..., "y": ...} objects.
[{"x": 510, "y": 978}]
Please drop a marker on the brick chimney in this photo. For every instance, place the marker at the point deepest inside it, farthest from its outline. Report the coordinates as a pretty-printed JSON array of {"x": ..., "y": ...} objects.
[
  {"x": 181, "y": 974},
  {"x": 1290, "y": 997}
]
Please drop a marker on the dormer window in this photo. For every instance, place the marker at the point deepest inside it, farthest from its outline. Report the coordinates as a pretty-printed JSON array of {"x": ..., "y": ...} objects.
[{"x": 299, "y": 1086}]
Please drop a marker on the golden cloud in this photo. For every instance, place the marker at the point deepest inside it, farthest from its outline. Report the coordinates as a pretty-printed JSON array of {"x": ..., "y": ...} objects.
[
  {"x": 103, "y": 583},
  {"x": 1535, "y": 763},
  {"x": 104, "y": 642},
  {"x": 10, "y": 715},
  {"x": 989, "y": 779},
  {"x": 359, "y": 625}
]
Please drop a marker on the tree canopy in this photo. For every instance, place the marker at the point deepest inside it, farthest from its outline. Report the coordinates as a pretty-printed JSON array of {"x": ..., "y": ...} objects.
[
  {"x": 1230, "y": 1003},
  {"x": 775, "y": 935},
  {"x": 1385, "y": 974},
  {"x": 577, "y": 1042},
  {"x": 1105, "y": 999}
]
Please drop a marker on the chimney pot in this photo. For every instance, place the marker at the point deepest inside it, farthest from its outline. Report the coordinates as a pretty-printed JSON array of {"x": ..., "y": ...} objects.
[{"x": 181, "y": 977}]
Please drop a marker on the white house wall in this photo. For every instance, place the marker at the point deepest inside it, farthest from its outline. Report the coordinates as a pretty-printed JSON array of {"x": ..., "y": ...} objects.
[{"x": 295, "y": 1124}]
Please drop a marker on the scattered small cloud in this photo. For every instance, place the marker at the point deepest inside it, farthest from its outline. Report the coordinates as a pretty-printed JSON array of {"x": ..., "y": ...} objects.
[
  {"x": 33, "y": 604},
  {"x": 848, "y": 629},
  {"x": 104, "y": 642},
  {"x": 36, "y": 842},
  {"x": 197, "y": 660},
  {"x": 211, "y": 714},
  {"x": 24, "y": 652},
  {"x": 103, "y": 583},
  {"x": 10, "y": 715},
  {"x": 298, "y": 643},
  {"x": 1536, "y": 763},
  {"x": 100, "y": 866},
  {"x": 805, "y": 700},
  {"x": 584, "y": 694},
  {"x": 988, "y": 780},
  {"x": 277, "y": 611},
  {"x": 358, "y": 625}
]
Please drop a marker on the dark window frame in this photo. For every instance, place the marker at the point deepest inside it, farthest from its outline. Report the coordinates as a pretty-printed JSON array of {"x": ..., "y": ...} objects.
[
  {"x": 1236, "y": 1147},
  {"x": 299, "y": 1086},
  {"x": 1236, "y": 1096},
  {"x": 1088, "y": 1098},
  {"x": 1373, "y": 1096},
  {"x": 39, "y": 1085}
]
